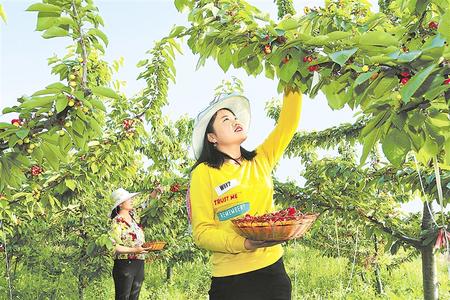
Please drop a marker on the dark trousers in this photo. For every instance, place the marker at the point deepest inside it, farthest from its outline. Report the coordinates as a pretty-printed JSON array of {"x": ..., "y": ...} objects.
[
  {"x": 269, "y": 283},
  {"x": 128, "y": 276}
]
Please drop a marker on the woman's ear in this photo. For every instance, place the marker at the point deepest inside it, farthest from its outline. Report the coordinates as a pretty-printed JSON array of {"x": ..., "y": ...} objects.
[{"x": 212, "y": 138}]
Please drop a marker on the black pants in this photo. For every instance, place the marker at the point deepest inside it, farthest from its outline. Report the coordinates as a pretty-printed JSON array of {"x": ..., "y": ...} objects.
[
  {"x": 269, "y": 283},
  {"x": 128, "y": 276}
]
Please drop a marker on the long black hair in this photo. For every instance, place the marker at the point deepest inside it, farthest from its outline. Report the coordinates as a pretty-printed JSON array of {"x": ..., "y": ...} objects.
[
  {"x": 115, "y": 212},
  {"x": 214, "y": 157}
]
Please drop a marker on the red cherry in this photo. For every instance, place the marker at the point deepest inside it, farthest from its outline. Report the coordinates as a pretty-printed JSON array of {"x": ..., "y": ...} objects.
[
  {"x": 291, "y": 211},
  {"x": 16, "y": 122},
  {"x": 405, "y": 74},
  {"x": 313, "y": 68},
  {"x": 267, "y": 37},
  {"x": 404, "y": 80},
  {"x": 447, "y": 81},
  {"x": 281, "y": 39},
  {"x": 267, "y": 49}
]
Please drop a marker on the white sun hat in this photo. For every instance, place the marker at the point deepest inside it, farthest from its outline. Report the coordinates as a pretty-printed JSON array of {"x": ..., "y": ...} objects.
[
  {"x": 121, "y": 195},
  {"x": 238, "y": 104}
]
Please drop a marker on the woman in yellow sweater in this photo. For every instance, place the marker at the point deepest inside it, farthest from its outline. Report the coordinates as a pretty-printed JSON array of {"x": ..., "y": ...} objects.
[{"x": 228, "y": 181}]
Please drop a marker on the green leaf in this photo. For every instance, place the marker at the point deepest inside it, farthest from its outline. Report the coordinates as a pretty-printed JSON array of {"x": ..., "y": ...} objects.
[
  {"x": 253, "y": 64},
  {"x": 105, "y": 92},
  {"x": 444, "y": 26},
  {"x": 65, "y": 143},
  {"x": 409, "y": 56},
  {"x": 176, "y": 31},
  {"x": 364, "y": 77},
  {"x": 54, "y": 32},
  {"x": 269, "y": 71},
  {"x": 368, "y": 143},
  {"x": 6, "y": 125},
  {"x": 180, "y": 4},
  {"x": 319, "y": 40},
  {"x": 94, "y": 168},
  {"x": 45, "y": 92},
  {"x": 44, "y": 7},
  {"x": 336, "y": 95},
  {"x": 95, "y": 126},
  {"x": 341, "y": 57},
  {"x": 288, "y": 24},
  {"x": 435, "y": 92},
  {"x": 100, "y": 34},
  {"x": 338, "y": 35},
  {"x": 3, "y": 14},
  {"x": 46, "y": 20},
  {"x": 415, "y": 82},
  {"x": 98, "y": 104},
  {"x": 447, "y": 152},
  {"x": 288, "y": 70},
  {"x": 37, "y": 102},
  {"x": 378, "y": 38},
  {"x": 22, "y": 133},
  {"x": 395, "y": 247},
  {"x": 57, "y": 86},
  {"x": 385, "y": 86},
  {"x": 66, "y": 21},
  {"x": 429, "y": 149},
  {"x": 396, "y": 145},
  {"x": 224, "y": 58},
  {"x": 61, "y": 103},
  {"x": 78, "y": 126},
  {"x": 71, "y": 184},
  {"x": 142, "y": 63},
  {"x": 374, "y": 123},
  {"x": 436, "y": 42},
  {"x": 50, "y": 155}
]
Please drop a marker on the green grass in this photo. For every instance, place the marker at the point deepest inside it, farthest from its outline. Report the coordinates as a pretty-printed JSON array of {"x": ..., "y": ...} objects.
[{"x": 313, "y": 277}]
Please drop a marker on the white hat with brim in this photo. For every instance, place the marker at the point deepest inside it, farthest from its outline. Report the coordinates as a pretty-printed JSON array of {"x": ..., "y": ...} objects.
[
  {"x": 238, "y": 104},
  {"x": 121, "y": 195}
]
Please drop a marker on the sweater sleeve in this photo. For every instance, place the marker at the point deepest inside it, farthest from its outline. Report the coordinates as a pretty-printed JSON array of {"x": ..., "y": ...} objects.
[
  {"x": 280, "y": 137},
  {"x": 206, "y": 233}
]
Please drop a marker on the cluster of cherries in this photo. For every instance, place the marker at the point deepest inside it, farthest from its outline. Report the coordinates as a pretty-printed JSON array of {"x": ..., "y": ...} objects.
[
  {"x": 174, "y": 188},
  {"x": 288, "y": 214},
  {"x": 36, "y": 170},
  {"x": 128, "y": 124},
  {"x": 405, "y": 76}
]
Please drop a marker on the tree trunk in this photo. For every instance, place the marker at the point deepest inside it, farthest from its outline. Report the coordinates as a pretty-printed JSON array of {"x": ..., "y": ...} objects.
[
  {"x": 168, "y": 272},
  {"x": 378, "y": 281},
  {"x": 429, "y": 273},
  {"x": 80, "y": 288}
]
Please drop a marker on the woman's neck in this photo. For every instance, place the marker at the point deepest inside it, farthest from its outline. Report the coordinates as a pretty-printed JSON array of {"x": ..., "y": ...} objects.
[
  {"x": 233, "y": 151},
  {"x": 125, "y": 214}
]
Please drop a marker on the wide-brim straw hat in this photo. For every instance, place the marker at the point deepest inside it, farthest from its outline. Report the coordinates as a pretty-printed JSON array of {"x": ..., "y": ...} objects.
[
  {"x": 121, "y": 195},
  {"x": 238, "y": 104}
]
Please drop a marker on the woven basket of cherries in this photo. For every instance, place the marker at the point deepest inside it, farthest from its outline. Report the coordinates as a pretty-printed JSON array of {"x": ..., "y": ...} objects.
[{"x": 282, "y": 225}]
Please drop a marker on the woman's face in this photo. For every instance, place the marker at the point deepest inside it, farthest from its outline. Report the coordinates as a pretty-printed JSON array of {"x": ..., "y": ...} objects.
[
  {"x": 227, "y": 129},
  {"x": 127, "y": 205}
]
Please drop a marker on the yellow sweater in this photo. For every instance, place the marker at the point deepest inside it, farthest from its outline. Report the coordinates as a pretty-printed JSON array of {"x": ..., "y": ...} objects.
[{"x": 217, "y": 196}]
